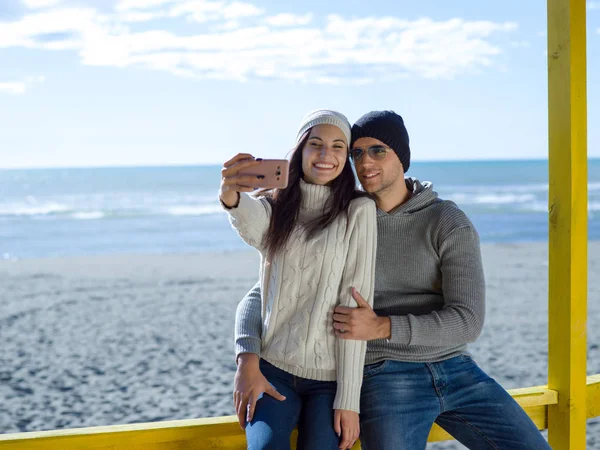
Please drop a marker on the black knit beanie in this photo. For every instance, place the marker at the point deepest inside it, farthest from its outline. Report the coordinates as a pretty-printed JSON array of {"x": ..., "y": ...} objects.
[{"x": 388, "y": 127}]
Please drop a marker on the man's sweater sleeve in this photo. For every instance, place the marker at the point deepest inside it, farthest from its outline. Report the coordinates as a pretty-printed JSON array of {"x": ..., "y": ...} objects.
[
  {"x": 359, "y": 272},
  {"x": 248, "y": 323},
  {"x": 251, "y": 219},
  {"x": 461, "y": 319}
]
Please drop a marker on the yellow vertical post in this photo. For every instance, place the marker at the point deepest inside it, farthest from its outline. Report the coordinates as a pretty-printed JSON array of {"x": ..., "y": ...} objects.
[{"x": 567, "y": 112}]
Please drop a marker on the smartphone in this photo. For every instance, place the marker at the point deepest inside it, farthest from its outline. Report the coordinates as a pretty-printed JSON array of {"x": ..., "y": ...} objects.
[{"x": 273, "y": 172}]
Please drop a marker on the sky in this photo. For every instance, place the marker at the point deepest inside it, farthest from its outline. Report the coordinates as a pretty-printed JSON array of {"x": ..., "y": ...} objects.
[{"x": 190, "y": 82}]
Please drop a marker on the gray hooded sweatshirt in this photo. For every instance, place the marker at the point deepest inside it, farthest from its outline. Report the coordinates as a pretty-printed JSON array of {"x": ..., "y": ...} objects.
[{"x": 428, "y": 279}]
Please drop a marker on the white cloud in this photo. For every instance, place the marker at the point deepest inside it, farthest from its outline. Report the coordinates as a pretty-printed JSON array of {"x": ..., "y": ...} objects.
[
  {"x": 288, "y": 20},
  {"x": 227, "y": 26},
  {"x": 237, "y": 10},
  {"x": 139, "y": 16},
  {"x": 55, "y": 29},
  {"x": 127, "y": 5},
  {"x": 14, "y": 87},
  {"x": 35, "y": 4},
  {"x": 19, "y": 87},
  {"x": 195, "y": 10},
  {"x": 208, "y": 10},
  {"x": 238, "y": 43}
]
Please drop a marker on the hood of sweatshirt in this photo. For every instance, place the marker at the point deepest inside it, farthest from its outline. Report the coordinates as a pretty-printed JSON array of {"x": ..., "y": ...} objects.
[{"x": 423, "y": 196}]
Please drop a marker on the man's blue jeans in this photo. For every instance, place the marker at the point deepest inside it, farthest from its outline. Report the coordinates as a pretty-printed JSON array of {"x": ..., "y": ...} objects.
[
  {"x": 400, "y": 401},
  {"x": 308, "y": 405}
]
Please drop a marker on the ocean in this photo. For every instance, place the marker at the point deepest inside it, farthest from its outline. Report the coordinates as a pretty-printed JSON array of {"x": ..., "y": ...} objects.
[{"x": 167, "y": 210}]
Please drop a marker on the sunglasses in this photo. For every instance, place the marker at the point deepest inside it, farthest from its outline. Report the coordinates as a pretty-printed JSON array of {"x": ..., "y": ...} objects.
[{"x": 376, "y": 152}]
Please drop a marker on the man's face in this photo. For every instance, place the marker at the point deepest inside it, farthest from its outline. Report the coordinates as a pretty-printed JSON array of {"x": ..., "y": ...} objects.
[{"x": 378, "y": 177}]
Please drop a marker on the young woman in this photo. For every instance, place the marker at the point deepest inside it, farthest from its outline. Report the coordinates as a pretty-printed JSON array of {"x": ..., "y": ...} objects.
[{"x": 317, "y": 240}]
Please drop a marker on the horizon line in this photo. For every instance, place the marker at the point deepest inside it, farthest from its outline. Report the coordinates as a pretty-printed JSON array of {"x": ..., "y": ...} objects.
[{"x": 192, "y": 165}]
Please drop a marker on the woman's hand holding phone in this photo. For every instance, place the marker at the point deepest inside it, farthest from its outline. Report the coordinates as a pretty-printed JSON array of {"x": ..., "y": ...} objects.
[
  {"x": 244, "y": 173},
  {"x": 232, "y": 182}
]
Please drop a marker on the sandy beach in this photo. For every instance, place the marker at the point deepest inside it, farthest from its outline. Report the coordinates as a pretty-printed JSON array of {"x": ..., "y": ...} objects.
[{"x": 121, "y": 339}]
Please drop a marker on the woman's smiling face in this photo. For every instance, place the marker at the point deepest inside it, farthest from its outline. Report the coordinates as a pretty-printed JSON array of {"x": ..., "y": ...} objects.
[{"x": 324, "y": 155}]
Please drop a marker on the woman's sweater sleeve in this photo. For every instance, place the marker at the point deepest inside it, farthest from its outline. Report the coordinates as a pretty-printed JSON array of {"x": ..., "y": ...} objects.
[
  {"x": 251, "y": 219},
  {"x": 359, "y": 272}
]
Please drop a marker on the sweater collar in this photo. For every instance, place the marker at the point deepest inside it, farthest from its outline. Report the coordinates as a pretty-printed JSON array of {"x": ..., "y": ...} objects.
[
  {"x": 423, "y": 195},
  {"x": 314, "y": 196}
]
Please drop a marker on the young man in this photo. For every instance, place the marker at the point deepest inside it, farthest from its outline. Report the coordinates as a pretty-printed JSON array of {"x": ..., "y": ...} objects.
[{"x": 429, "y": 304}]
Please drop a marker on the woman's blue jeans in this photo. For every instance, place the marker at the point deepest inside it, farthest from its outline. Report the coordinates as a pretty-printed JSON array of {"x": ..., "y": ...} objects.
[
  {"x": 308, "y": 405},
  {"x": 400, "y": 401}
]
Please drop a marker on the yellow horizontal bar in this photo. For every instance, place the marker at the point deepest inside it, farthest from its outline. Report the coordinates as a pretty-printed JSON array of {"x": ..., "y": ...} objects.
[
  {"x": 534, "y": 400},
  {"x": 534, "y": 396},
  {"x": 593, "y": 396},
  {"x": 224, "y": 432}
]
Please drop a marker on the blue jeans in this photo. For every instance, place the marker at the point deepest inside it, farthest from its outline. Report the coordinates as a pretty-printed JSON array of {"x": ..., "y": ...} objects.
[
  {"x": 400, "y": 401},
  {"x": 308, "y": 405}
]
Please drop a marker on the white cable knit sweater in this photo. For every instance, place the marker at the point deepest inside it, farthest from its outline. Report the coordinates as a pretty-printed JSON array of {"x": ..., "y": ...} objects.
[{"x": 306, "y": 281}]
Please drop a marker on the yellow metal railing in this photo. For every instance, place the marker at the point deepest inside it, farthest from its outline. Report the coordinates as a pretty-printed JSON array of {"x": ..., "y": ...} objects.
[
  {"x": 568, "y": 216},
  {"x": 225, "y": 433}
]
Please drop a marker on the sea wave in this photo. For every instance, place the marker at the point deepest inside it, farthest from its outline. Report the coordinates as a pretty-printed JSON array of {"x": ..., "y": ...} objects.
[
  {"x": 90, "y": 215},
  {"x": 491, "y": 199},
  {"x": 28, "y": 209},
  {"x": 543, "y": 207},
  {"x": 199, "y": 210},
  {"x": 524, "y": 188},
  {"x": 497, "y": 199},
  {"x": 50, "y": 210},
  {"x": 514, "y": 203}
]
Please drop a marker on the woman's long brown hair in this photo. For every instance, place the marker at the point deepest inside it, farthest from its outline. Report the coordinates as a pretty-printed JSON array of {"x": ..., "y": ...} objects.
[{"x": 285, "y": 203}]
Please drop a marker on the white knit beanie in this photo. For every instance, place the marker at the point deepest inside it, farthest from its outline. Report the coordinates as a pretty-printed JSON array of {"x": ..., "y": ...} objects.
[{"x": 325, "y": 116}]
